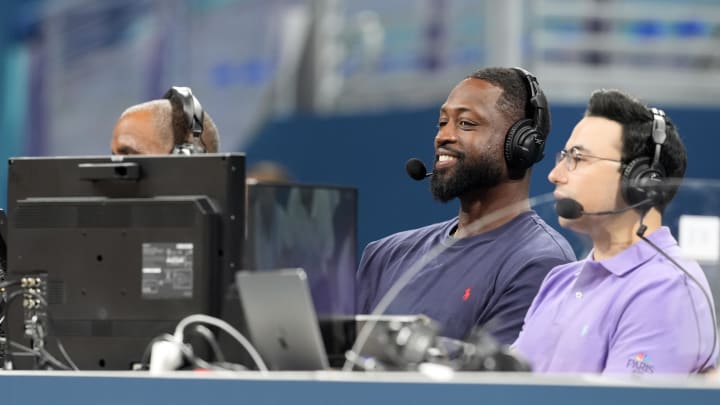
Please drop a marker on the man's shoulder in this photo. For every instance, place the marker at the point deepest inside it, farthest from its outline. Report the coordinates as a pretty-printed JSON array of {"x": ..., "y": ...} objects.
[
  {"x": 565, "y": 271},
  {"x": 413, "y": 235},
  {"x": 535, "y": 236},
  {"x": 660, "y": 272},
  {"x": 402, "y": 246}
]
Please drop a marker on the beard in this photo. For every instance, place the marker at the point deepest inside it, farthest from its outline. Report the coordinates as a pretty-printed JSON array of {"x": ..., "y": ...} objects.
[{"x": 468, "y": 175}]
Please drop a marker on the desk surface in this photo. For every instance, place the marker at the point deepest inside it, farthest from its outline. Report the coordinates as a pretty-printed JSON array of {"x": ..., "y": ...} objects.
[{"x": 125, "y": 388}]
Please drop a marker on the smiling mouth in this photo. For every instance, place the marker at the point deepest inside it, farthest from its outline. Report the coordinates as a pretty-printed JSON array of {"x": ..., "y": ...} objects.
[
  {"x": 445, "y": 161},
  {"x": 446, "y": 158}
]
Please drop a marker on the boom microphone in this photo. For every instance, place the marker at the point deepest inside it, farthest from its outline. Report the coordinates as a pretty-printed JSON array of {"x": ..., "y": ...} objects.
[
  {"x": 571, "y": 209},
  {"x": 568, "y": 208},
  {"x": 416, "y": 169}
]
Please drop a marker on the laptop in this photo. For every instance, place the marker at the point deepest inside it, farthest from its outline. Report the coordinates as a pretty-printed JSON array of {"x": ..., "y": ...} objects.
[{"x": 281, "y": 320}]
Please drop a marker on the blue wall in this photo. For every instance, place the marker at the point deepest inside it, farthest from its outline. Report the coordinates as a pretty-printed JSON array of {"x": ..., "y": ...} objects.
[{"x": 369, "y": 152}]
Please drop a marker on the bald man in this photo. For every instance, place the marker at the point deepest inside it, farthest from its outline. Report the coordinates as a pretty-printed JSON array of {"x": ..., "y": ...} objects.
[{"x": 156, "y": 127}]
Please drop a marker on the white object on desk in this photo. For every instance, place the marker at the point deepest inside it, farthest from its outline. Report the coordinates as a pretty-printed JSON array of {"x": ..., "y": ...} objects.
[{"x": 165, "y": 356}]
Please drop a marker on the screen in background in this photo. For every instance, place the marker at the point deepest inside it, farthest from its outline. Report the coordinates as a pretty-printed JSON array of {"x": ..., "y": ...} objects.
[
  {"x": 124, "y": 248},
  {"x": 309, "y": 226}
]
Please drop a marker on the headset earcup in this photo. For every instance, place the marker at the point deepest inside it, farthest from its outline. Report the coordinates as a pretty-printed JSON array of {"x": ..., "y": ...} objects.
[
  {"x": 521, "y": 149},
  {"x": 191, "y": 108},
  {"x": 640, "y": 182},
  {"x": 524, "y": 143}
]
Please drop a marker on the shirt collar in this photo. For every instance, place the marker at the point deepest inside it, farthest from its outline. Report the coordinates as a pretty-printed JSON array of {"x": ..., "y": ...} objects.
[
  {"x": 493, "y": 234},
  {"x": 637, "y": 254}
]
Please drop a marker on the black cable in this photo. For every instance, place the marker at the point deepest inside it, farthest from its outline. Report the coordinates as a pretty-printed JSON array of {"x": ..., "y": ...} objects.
[
  {"x": 9, "y": 283},
  {"x": 61, "y": 348},
  {"x": 36, "y": 353},
  {"x": 4, "y": 302},
  {"x": 6, "y": 310},
  {"x": 196, "y": 361},
  {"x": 227, "y": 328},
  {"x": 71, "y": 364},
  {"x": 641, "y": 233},
  {"x": 51, "y": 329},
  {"x": 707, "y": 298}
]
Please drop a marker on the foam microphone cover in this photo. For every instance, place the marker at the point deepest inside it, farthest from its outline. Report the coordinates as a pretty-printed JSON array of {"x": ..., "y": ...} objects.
[
  {"x": 416, "y": 169},
  {"x": 568, "y": 208}
]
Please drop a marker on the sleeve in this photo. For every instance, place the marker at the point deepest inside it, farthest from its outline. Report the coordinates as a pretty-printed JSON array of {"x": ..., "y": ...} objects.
[
  {"x": 367, "y": 279},
  {"x": 663, "y": 330},
  {"x": 518, "y": 293}
]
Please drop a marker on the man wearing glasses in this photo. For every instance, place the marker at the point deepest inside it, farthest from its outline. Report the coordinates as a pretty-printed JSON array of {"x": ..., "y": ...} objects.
[{"x": 633, "y": 305}]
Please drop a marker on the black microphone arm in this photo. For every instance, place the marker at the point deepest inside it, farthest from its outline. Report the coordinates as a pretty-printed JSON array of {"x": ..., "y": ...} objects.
[
  {"x": 705, "y": 294},
  {"x": 571, "y": 209},
  {"x": 415, "y": 168}
]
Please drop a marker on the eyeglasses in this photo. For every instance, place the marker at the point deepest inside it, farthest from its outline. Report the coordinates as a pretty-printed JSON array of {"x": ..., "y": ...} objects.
[{"x": 574, "y": 156}]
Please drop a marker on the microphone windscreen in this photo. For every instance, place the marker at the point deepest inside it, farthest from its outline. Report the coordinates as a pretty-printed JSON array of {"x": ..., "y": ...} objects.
[
  {"x": 416, "y": 169},
  {"x": 568, "y": 208}
]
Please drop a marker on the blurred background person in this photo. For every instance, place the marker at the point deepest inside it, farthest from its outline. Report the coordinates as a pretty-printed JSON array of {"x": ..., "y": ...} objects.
[{"x": 267, "y": 171}]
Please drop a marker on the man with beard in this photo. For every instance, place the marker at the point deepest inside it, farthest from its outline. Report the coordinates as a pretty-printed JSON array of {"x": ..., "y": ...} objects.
[{"x": 496, "y": 252}]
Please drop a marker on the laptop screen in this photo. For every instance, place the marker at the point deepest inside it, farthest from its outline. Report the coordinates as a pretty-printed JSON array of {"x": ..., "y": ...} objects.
[
  {"x": 313, "y": 227},
  {"x": 280, "y": 319}
]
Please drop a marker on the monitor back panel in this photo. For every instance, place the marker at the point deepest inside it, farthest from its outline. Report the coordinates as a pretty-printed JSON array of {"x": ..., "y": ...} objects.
[{"x": 122, "y": 261}]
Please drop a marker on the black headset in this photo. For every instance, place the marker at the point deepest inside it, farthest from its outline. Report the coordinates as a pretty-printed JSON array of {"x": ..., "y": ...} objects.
[
  {"x": 194, "y": 117},
  {"x": 642, "y": 177},
  {"x": 525, "y": 140}
]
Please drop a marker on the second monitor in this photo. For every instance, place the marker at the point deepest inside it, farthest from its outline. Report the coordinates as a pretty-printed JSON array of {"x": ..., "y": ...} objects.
[{"x": 313, "y": 227}]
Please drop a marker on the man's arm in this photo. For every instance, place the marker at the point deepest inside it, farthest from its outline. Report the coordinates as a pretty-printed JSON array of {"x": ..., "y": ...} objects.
[
  {"x": 507, "y": 317},
  {"x": 367, "y": 279}
]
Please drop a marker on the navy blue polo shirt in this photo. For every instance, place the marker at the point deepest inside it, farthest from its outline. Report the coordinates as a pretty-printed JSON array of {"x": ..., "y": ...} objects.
[{"x": 486, "y": 280}]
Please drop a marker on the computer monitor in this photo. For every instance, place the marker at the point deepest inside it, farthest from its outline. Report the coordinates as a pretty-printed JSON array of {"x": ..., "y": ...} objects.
[
  {"x": 124, "y": 247},
  {"x": 313, "y": 227}
]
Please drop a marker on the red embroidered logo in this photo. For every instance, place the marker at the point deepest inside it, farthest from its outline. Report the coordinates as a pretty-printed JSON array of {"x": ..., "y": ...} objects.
[{"x": 467, "y": 294}]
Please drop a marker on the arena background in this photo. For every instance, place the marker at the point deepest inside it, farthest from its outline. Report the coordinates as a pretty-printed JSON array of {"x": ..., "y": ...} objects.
[{"x": 344, "y": 92}]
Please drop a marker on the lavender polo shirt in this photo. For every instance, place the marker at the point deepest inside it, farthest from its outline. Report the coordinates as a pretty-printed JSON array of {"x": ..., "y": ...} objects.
[{"x": 632, "y": 313}]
